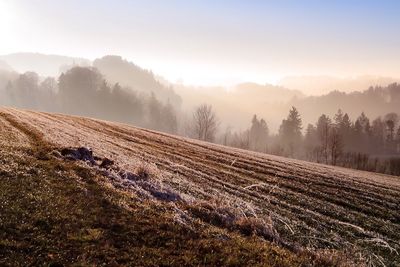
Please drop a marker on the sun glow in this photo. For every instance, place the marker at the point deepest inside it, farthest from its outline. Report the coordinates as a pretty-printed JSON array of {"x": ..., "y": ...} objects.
[
  {"x": 8, "y": 21},
  {"x": 6, "y": 15}
]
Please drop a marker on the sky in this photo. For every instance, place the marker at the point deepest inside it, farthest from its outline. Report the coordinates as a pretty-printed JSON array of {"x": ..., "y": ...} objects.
[{"x": 214, "y": 42}]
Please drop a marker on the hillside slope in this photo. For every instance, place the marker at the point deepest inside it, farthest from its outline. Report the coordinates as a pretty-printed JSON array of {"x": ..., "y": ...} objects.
[{"x": 170, "y": 200}]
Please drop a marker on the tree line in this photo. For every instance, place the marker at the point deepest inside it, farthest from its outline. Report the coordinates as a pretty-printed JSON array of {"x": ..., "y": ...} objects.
[
  {"x": 84, "y": 91},
  {"x": 361, "y": 143}
]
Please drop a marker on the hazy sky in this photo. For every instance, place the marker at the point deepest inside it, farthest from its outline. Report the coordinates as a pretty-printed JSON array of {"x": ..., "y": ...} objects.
[{"x": 210, "y": 41}]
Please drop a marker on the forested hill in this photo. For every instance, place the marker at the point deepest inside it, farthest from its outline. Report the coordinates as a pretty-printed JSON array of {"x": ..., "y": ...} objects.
[{"x": 127, "y": 74}]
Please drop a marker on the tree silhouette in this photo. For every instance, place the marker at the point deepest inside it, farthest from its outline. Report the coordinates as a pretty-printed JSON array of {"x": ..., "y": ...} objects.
[
  {"x": 290, "y": 131},
  {"x": 205, "y": 123},
  {"x": 258, "y": 134},
  {"x": 323, "y": 128}
]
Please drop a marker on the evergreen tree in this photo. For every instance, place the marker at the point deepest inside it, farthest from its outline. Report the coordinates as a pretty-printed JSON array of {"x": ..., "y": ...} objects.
[
  {"x": 345, "y": 130},
  {"x": 310, "y": 141},
  {"x": 335, "y": 144},
  {"x": 258, "y": 135},
  {"x": 290, "y": 131},
  {"x": 390, "y": 129},
  {"x": 323, "y": 128},
  {"x": 378, "y": 135},
  {"x": 339, "y": 117}
]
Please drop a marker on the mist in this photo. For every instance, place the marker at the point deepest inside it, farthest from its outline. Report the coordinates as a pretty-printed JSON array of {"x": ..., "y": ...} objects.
[
  {"x": 199, "y": 133},
  {"x": 247, "y": 115},
  {"x": 255, "y": 81}
]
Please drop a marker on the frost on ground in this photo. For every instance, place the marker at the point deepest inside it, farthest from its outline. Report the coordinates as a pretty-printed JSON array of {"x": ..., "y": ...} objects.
[
  {"x": 299, "y": 204},
  {"x": 143, "y": 181},
  {"x": 146, "y": 183}
]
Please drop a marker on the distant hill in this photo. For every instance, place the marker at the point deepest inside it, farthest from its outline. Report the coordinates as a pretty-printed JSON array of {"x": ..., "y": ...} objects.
[
  {"x": 375, "y": 101},
  {"x": 44, "y": 65},
  {"x": 236, "y": 106},
  {"x": 4, "y": 66},
  {"x": 319, "y": 85},
  {"x": 267, "y": 92},
  {"x": 114, "y": 68},
  {"x": 118, "y": 70}
]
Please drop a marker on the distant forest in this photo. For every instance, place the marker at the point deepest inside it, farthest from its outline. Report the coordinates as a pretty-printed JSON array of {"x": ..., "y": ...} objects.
[
  {"x": 116, "y": 90},
  {"x": 84, "y": 91},
  {"x": 360, "y": 144}
]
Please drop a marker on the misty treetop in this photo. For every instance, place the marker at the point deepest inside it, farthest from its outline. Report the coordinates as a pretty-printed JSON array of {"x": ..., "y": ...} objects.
[
  {"x": 117, "y": 70},
  {"x": 290, "y": 131}
]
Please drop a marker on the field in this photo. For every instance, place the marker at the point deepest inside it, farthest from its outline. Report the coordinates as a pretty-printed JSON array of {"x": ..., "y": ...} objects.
[{"x": 175, "y": 201}]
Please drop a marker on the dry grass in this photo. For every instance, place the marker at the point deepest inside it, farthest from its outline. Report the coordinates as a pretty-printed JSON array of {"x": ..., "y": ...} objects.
[
  {"x": 235, "y": 217},
  {"x": 143, "y": 170},
  {"x": 314, "y": 213},
  {"x": 56, "y": 212}
]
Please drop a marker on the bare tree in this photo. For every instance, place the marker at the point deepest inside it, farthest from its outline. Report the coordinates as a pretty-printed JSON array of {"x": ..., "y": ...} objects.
[
  {"x": 290, "y": 131},
  {"x": 205, "y": 123},
  {"x": 241, "y": 140}
]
